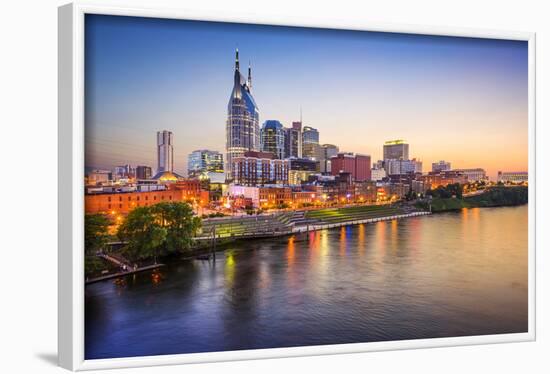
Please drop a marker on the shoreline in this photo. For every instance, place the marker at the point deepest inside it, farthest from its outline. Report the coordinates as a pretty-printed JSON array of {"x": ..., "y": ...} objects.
[{"x": 205, "y": 248}]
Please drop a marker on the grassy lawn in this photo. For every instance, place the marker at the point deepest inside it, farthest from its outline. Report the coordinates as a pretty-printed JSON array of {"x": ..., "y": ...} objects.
[{"x": 352, "y": 213}]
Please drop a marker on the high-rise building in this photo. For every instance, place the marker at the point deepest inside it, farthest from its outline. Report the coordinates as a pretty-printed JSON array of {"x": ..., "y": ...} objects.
[
  {"x": 272, "y": 138},
  {"x": 358, "y": 166},
  {"x": 327, "y": 152},
  {"x": 396, "y": 150},
  {"x": 202, "y": 162},
  {"x": 310, "y": 135},
  {"x": 441, "y": 166},
  {"x": 243, "y": 116},
  {"x": 310, "y": 143},
  {"x": 144, "y": 172},
  {"x": 165, "y": 151},
  {"x": 313, "y": 151},
  {"x": 293, "y": 140},
  {"x": 259, "y": 168}
]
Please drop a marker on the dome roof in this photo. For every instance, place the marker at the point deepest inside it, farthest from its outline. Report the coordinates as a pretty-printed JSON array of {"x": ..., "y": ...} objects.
[{"x": 167, "y": 176}]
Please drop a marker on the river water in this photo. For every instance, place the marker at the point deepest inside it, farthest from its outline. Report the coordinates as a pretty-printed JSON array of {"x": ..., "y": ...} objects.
[{"x": 451, "y": 274}]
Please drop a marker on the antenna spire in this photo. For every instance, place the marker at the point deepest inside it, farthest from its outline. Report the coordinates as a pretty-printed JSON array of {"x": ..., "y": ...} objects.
[
  {"x": 237, "y": 59},
  {"x": 249, "y": 76}
]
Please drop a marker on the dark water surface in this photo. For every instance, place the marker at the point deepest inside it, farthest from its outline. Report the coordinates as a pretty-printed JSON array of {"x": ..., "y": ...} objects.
[{"x": 451, "y": 274}]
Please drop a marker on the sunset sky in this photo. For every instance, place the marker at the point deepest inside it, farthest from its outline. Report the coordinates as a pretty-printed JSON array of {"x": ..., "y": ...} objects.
[{"x": 462, "y": 100}]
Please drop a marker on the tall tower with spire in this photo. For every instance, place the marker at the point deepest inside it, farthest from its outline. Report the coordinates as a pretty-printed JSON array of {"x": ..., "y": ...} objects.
[{"x": 243, "y": 119}]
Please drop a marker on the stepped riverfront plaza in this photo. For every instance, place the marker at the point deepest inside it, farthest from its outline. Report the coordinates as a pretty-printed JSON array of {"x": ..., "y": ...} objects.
[{"x": 312, "y": 187}]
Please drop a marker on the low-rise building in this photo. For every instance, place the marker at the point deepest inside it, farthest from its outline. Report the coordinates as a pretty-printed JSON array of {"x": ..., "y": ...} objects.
[
  {"x": 98, "y": 177},
  {"x": 121, "y": 200},
  {"x": 441, "y": 166},
  {"x": 266, "y": 197},
  {"x": 443, "y": 178},
  {"x": 378, "y": 174},
  {"x": 513, "y": 176},
  {"x": 419, "y": 186},
  {"x": 124, "y": 202},
  {"x": 474, "y": 174}
]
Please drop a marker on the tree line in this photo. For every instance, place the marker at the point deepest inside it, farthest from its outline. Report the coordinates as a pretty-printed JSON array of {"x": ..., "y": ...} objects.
[{"x": 157, "y": 230}]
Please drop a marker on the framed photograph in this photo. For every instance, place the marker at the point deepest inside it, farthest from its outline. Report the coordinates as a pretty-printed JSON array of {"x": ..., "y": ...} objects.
[{"x": 238, "y": 187}]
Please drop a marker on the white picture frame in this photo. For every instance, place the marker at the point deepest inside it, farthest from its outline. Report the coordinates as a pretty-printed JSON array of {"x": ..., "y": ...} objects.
[{"x": 71, "y": 187}]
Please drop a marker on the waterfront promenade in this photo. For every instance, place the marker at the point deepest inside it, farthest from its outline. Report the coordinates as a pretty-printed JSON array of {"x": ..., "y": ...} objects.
[{"x": 287, "y": 223}]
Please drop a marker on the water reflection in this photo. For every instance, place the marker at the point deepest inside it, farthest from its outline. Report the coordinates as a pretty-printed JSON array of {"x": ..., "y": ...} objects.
[{"x": 453, "y": 274}]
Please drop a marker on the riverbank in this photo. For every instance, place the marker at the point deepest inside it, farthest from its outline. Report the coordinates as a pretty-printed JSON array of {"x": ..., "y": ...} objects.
[
  {"x": 492, "y": 197},
  {"x": 272, "y": 227}
]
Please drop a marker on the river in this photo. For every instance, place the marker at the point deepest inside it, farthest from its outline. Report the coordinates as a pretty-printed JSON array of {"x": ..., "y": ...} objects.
[{"x": 451, "y": 274}]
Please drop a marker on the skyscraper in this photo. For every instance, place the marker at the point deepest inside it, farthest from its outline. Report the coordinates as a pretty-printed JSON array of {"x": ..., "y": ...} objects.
[
  {"x": 396, "y": 150},
  {"x": 293, "y": 140},
  {"x": 310, "y": 143},
  {"x": 243, "y": 116},
  {"x": 272, "y": 138},
  {"x": 165, "y": 151},
  {"x": 310, "y": 135}
]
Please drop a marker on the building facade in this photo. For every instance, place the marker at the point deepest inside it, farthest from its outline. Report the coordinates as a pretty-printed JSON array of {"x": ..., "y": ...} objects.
[
  {"x": 397, "y": 166},
  {"x": 293, "y": 140},
  {"x": 473, "y": 175},
  {"x": 513, "y": 176},
  {"x": 358, "y": 166},
  {"x": 300, "y": 169},
  {"x": 272, "y": 138},
  {"x": 243, "y": 116},
  {"x": 327, "y": 151},
  {"x": 378, "y": 174},
  {"x": 266, "y": 197},
  {"x": 441, "y": 166},
  {"x": 144, "y": 172},
  {"x": 433, "y": 180},
  {"x": 97, "y": 177},
  {"x": 310, "y": 143},
  {"x": 165, "y": 151},
  {"x": 259, "y": 168},
  {"x": 396, "y": 150},
  {"x": 202, "y": 162},
  {"x": 124, "y": 172}
]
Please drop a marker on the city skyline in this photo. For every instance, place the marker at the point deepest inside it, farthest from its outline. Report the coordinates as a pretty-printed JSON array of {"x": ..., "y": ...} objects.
[{"x": 469, "y": 104}]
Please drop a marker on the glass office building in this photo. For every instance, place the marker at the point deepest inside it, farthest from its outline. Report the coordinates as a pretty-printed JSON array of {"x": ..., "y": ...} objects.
[{"x": 243, "y": 116}]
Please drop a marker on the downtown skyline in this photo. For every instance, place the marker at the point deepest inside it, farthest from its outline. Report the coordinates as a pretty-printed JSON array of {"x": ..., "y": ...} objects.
[{"x": 457, "y": 99}]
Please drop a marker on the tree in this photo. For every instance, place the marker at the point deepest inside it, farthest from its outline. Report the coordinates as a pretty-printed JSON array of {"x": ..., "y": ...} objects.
[
  {"x": 180, "y": 225},
  {"x": 143, "y": 233},
  {"x": 96, "y": 232}
]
